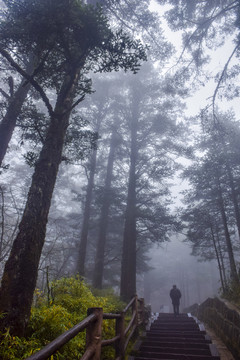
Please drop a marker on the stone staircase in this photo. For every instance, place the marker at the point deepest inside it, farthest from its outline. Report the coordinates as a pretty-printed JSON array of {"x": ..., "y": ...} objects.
[{"x": 175, "y": 337}]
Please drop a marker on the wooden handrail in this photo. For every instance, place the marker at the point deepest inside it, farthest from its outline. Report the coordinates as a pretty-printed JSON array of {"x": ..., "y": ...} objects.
[
  {"x": 129, "y": 337},
  {"x": 111, "y": 316},
  {"x": 133, "y": 318},
  {"x": 93, "y": 325},
  {"x": 62, "y": 339},
  {"x": 110, "y": 341},
  {"x": 129, "y": 304}
]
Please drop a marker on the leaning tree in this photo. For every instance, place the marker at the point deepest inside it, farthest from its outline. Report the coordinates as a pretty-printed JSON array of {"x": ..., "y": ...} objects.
[{"x": 78, "y": 40}]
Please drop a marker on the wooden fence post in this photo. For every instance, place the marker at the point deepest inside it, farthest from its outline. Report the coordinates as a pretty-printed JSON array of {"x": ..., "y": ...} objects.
[
  {"x": 142, "y": 311},
  {"x": 94, "y": 333},
  {"x": 135, "y": 307},
  {"x": 119, "y": 345}
]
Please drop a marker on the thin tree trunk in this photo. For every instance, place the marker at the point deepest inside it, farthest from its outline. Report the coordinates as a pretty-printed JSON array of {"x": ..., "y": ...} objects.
[
  {"x": 218, "y": 259},
  {"x": 102, "y": 235},
  {"x": 221, "y": 260},
  {"x": 82, "y": 251},
  {"x": 234, "y": 197},
  {"x": 128, "y": 266},
  {"x": 86, "y": 217},
  {"x": 231, "y": 183},
  {"x": 16, "y": 102},
  {"x": 233, "y": 268},
  {"x": 21, "y": 269}
]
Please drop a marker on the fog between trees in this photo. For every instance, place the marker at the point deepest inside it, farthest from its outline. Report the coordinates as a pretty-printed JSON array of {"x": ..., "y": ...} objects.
[{"x": 106, "y": 148}]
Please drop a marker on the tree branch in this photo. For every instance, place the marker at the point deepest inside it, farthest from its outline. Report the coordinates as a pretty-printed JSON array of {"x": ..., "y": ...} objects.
[
  {"x": 222, "y": 76},
  {"x": 33, "y": 82},
  {"x": 4, "y": 94}
]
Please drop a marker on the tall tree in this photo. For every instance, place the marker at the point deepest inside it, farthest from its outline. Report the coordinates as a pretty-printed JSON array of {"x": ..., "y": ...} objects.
[
  {"x": 149, "y": 165},
  {"x": 79, "y": 40},
  {"x": 214, "y": 188},
  {"x": 128, "y": 267},
  {"x": 103, "y": 220}
]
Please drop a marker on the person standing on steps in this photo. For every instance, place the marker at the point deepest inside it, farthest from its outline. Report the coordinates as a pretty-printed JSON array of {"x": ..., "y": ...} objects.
[{"x": 175, "y": 295}]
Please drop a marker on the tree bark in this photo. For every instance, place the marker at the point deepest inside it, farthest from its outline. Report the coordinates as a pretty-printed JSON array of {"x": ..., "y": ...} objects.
[
  {"x": 21, "y": 270},
  {"x": 218, "y": 258},
  {"x": 233, "y": 268},
  {"x": 221, "y": 259},
  {"x": 102, "y": 235},
  {"x": 16, "y": 102},
  {"x": 86, "y": 217},
  {"x": 82, "y": 251},
  {"x": 128, "y": 266},
  {"x": 231, "y": 182},
  {"x": 234, "y": 197}
]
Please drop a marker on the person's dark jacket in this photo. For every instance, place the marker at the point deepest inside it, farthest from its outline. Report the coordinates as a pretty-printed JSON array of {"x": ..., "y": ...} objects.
[{"x": 175, "y": 295}]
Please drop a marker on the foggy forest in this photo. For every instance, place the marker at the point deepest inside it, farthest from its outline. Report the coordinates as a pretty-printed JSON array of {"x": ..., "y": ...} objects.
[{"x": 119, "y": 153}]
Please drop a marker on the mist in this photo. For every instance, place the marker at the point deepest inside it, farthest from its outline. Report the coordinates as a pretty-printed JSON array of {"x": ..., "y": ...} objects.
[
  {"x": 119, "y": 154},
  {"x": 173, "y": 264}
]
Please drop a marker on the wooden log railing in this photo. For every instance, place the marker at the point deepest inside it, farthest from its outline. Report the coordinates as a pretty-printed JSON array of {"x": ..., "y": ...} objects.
[{"x": 93, "y": 325}]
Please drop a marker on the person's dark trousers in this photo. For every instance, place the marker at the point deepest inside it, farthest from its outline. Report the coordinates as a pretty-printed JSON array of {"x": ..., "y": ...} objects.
[{"x": 176, "y": 309}]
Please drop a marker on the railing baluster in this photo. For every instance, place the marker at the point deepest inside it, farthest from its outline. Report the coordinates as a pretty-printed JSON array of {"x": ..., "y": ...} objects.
[
  {"x": 94, "y": 333},
  {"x": 135, "y": 310},
  {"x": 119, "y": 345}
]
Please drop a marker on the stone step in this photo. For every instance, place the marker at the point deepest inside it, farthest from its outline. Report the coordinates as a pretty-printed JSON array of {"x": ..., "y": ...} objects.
[
  {"x": 175, "y": 327},
  {"x": 169, "y": 350},
  {"x": 174, "y": 333},
  {"x": 177, "y": 357},
  {"x": 173, "y": 345},
  {"x": 176, "y": 341},
  {"x": 176, "y": 338}
]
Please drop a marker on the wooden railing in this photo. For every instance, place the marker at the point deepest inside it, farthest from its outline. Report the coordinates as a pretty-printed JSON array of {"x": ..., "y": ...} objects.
[{"x": 93, "y": 325}]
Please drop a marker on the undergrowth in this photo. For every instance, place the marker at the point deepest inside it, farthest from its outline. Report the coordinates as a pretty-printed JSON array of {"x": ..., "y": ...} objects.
[
  {"x": 70, "y": 299},
  {"x": 232, "y": 293}
]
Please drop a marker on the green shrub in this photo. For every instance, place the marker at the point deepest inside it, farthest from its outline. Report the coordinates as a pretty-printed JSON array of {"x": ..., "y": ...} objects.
[
  {"x": 71, "y": 297},
  {"x": 232, "y": 293},
  {"x": 14, "y": 348}
]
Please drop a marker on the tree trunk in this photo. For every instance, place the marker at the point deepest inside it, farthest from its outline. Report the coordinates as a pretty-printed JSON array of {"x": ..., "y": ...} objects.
[
  {"x": 16, "y": 102},
  {"x": 102, "y": 235},
  {"x": 233, "y": 268},
  {"x": 21, "y": 270},
  {"x": 221, "y": 260},
  {"x": 234, "y": 197},
  {"x": 218, "y": 259},
  {"x": 82, "y": 251},
  {"x": 128, "y": 266},
  {"x": 86, "y": 217},
  {"x": 231, "y": 182}
]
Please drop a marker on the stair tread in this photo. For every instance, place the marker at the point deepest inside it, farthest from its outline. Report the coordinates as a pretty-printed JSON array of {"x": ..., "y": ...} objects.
[
  {"x": 178, "y": 357},
  {"x": 181, "y": 345},
  {"x": 176, "y": 351},
  {"x": 176, "y": 338}
]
